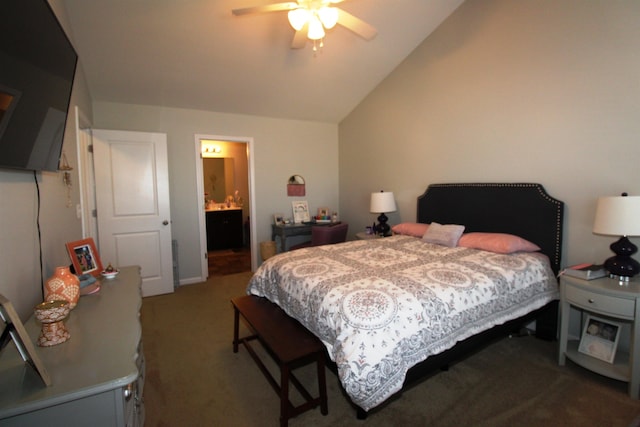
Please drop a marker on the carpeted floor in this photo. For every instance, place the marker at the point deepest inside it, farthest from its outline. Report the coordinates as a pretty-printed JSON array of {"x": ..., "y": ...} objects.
[{"x": 193, "y": 378}]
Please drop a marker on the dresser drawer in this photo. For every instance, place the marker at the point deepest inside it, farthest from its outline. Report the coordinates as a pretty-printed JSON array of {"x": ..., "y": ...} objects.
[{"x": 618, "y": 307}]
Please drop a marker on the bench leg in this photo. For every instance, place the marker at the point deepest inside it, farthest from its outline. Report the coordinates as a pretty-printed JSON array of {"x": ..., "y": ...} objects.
[
  {"x": 284, "y": 395},
  {"x": 322, "y": 385},
  {"x": 236, "y": 328}
]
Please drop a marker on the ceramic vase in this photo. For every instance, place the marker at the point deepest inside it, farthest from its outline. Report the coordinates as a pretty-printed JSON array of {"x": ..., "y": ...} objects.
[{"x": 62, "y": 286}]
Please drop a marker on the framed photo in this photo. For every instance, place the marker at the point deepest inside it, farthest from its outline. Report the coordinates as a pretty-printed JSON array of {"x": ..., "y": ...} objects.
[
  {"x": 323, "y": 212},
  {"x": 278, "y": 219},
  {"x": 14, "y": 329},
  {"x": 300, "y": 211},
  {"x": 84, "y": 257},
  {"x": 600, "y": 338}
]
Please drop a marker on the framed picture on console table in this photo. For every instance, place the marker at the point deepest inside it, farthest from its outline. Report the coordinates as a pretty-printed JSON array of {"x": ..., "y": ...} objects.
[
  {"x": 600, "y": 338},
  {"x": 14, "y": 330},
  {"x": 323, "y": 212},
  {"x": 300, "y": 211},
  {"x": 84, "y": 257}
]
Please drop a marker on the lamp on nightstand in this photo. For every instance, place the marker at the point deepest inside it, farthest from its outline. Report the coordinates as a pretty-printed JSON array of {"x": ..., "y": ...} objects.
[
  {"x": 381, "y": 203},
  {"x": 619, "y": 216}
]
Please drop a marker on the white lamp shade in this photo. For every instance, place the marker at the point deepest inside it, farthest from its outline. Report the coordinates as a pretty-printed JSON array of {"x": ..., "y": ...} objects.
[
  {"x": 298, "y": 17},
  {"x": 382, "y": 202},
  {"x": 328, "y": 16},
  {"x": 618, "y": 216},
  {"x": 316, "y": 31}
]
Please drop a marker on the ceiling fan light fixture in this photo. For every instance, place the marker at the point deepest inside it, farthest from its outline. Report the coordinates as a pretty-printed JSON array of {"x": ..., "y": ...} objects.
[
  {"x": 316, "y": 31},
  {"x": 328, "y": 16},
  {"x": 298, "y": 18}
]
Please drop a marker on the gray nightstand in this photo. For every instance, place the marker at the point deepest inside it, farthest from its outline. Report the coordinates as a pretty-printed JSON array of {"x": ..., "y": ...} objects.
[
  {"x": 609, "y": 299},
  {"x": 364, "y": 236}
]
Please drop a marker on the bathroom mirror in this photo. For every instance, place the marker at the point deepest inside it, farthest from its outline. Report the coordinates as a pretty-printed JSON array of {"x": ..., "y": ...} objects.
[{"x": 218, "y": 178}]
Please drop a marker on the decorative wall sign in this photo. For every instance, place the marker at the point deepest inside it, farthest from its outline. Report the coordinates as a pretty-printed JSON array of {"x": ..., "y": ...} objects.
[{"x": 296, "y": 186}]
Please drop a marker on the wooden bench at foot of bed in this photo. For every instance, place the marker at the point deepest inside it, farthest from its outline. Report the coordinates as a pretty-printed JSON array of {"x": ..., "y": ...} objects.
[{"x": 288, "y": 343}]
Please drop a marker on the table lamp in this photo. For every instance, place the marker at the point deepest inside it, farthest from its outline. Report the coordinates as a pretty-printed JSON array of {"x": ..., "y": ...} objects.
[
  {"x": 380, "y": 203},
  {"x": 619, "y": 216}
]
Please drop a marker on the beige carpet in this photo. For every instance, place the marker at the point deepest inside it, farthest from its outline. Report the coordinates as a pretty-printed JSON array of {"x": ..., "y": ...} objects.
[{"x": 194, "y": 379}]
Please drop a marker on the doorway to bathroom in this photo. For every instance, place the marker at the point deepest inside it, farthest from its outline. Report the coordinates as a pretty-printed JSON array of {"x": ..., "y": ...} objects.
[{"x": 224, "y": 171}]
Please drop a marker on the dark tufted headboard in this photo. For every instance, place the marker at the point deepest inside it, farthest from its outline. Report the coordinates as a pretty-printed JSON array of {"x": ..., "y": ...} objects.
[{"x": 523, "y": 209}]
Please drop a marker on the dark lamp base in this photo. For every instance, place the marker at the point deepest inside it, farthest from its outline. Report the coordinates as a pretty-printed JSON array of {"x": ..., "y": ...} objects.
[
  {"x": 622, "y": 264},
  {"x": 383, "y": 228}
]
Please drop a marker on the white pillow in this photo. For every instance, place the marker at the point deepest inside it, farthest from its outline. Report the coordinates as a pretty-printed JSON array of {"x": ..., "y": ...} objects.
[{"x": 445, "y": 235}]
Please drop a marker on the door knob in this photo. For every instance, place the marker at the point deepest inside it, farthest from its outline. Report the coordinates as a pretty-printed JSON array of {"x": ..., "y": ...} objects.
[{"x": 165, "y": 222}]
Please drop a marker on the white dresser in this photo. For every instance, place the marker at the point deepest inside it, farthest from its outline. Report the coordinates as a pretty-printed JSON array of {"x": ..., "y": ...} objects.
[{"x": 97, "y": 375}]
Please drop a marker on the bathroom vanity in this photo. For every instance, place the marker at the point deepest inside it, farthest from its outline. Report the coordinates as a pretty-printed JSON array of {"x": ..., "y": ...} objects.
[{"x": 224, "y": 228}]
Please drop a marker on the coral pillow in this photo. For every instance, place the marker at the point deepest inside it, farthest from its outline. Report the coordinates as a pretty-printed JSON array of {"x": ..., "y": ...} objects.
[
  {"x": 414, "y": 229},
  {"x": 501, "y": 243},
  {"x": 445, "y": 235}
]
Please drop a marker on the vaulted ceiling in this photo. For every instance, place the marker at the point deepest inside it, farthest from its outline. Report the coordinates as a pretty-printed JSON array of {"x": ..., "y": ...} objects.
[{"x": 195, "y": 54}]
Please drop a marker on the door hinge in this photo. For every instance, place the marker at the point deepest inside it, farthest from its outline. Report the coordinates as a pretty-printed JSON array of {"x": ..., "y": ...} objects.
[
  {"x": 94, "y": 213},
  {"x": 90, "y": 148}
]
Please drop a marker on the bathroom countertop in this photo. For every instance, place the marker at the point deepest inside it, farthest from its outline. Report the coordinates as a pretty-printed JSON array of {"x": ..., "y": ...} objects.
[{"x": 223, "y": 209}]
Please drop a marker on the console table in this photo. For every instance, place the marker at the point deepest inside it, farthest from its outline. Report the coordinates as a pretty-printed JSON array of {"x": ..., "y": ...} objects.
[
  {"x": 289, "y": 230},
  {"x": 97, "y": 375}
]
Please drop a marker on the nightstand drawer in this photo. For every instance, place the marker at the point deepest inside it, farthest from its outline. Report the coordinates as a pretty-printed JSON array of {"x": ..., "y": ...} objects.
[{"x": 619, "y": 307}]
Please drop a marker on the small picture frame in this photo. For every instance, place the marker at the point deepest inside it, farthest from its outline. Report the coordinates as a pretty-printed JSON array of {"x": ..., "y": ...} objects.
[
  {"x": 14, "y": 330},
  {"x": 323, "y": 212},
  {"x": 84, "y": 257},
  {"x": 300, "y": 211},
  {"x": 278, "y": 219},
  {"x": 600, "y": 338}
]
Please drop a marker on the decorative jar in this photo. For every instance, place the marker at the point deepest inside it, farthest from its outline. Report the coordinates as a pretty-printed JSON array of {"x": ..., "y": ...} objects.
[
  {"x": 51, "y": 315},
  {"x": 62, "y": 285}
]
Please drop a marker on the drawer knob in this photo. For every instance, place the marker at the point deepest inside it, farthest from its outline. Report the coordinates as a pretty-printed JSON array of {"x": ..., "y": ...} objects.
[
  {"x": 591, "y": 301},
  {"x": 128, "y": 392}
]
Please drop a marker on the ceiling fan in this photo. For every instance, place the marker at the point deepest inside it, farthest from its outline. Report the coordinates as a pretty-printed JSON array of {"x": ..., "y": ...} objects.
[{"x": 310, "y": 19}]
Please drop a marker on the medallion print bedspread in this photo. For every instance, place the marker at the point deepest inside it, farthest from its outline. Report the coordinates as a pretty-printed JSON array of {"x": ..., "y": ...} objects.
[{"x": 381, "y": 306}]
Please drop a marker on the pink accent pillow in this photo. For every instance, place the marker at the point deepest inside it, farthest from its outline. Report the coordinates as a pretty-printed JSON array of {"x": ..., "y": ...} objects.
[
  {"x": 410, "y": 229},
  {"x": 501, "y": 243}
]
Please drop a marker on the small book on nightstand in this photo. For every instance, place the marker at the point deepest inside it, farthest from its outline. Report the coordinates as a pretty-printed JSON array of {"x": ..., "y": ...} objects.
[{"x": 586, "y": 271}]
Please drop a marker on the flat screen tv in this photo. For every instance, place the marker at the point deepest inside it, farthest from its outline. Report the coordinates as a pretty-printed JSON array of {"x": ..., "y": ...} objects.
[{"x": 37, "y": 67}]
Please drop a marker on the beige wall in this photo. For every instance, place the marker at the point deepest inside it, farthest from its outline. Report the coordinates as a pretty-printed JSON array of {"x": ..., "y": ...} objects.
[
  {"x": 504, "y": 90},
  {"x": 516, "y": 91},
  {"x": 20, "y": 278},
  {"x": 281, "y": 148}
]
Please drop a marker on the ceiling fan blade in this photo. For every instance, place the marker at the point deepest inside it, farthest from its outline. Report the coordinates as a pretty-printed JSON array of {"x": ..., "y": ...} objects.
[
  {"x": 300, "y": 38},
  {"x": 356, "y": 25},
  {"x": 276, "y": 7}
]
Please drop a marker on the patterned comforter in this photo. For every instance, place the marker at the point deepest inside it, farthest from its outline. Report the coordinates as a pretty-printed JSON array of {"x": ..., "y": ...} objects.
[{"x": 381, "y": 306}]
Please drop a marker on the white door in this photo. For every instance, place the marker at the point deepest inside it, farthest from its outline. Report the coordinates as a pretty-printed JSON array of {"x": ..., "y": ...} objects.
[{"x": 132, "y": 196}]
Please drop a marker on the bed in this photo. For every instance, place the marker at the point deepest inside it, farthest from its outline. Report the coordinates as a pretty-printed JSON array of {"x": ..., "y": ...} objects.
[{"x": 393, "y": 310}]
